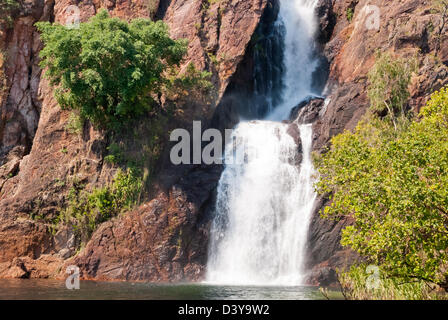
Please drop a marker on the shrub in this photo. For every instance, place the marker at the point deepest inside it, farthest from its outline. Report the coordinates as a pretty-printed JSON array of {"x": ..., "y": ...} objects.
[
  {"x": 108, "y": 69},
  {"x": 86, "y": 210},
  {"x": 7, "y": 7},
  {"x": 389, "y": 80},
  {"x": 395, "y": 188},
  {"x": 349, "y": 14},
  {"x": 192, "y": 82}
]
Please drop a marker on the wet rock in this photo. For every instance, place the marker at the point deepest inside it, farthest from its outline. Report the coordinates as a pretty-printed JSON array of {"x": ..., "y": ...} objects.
[
  {"x": 346, "y": 106},
  {"x": 308, "y": 110},
  {"x": 323, "y": 277},
  {"x": 294, "y": 132},
  {"x": 326, "y": 19}
]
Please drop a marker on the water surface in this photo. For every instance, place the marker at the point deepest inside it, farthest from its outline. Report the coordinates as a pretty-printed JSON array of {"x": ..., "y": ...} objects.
[{"x": 37, "y": 289}]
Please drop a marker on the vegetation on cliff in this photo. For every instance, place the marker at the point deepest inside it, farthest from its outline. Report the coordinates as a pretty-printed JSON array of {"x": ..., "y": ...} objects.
[
  {"x": 388, "y": 89},
  {"x": 363, "y": 282},
  {"x": 390, "y": 176},
  {"x": 107, "y": 68},
  {"x": 86, "y": 210},
  {"x": 115, "y": 74}
]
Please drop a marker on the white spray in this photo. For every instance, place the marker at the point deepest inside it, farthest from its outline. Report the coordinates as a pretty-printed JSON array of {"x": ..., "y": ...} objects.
[{"x": 263, "y": 208}]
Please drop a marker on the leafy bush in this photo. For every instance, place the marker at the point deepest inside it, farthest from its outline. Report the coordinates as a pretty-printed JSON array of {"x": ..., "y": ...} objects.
[
  {"x": 394, "y": 185},
  {"x": 192, "y": 82},
  {"x": 108, "y": 69},
  {"x": 389, "y": 80},
  {"x": 349, "y": 14},
  {"x": 86, "y": 210}
]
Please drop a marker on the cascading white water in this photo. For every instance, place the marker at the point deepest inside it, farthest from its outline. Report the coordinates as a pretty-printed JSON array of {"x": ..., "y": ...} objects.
[
  {"x": 263, "y": 208},
  {"x": 299, "y": 54},
  {"x": 264, "y": 205}
]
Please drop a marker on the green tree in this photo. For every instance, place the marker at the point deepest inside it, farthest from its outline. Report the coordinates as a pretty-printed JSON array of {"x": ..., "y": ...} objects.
[
  {"x": 394, "y": 186},
  {"x": 388, "y": 89},
  {"x": 109, "y": 69}
]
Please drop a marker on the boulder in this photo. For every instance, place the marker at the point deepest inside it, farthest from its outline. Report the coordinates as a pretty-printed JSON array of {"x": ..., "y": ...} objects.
[{"x": 308, "y": 110}]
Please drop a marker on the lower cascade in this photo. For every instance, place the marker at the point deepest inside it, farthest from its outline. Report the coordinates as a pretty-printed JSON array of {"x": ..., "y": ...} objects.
[
  {"x": 263, "y": 209},
  {"x": 265, "y": 197}
]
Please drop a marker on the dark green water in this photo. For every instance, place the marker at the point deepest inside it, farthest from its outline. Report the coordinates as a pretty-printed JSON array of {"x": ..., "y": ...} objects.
[{"x": 53, "y": 289}]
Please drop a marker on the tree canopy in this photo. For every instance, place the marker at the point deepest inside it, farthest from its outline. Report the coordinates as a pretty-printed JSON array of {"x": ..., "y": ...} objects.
[
  {"x": 108, "y": 69},
  {"x": 394, "y": 184}
]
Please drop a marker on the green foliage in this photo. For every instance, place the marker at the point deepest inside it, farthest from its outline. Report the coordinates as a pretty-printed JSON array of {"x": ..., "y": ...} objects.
[
  {"x": 440, "y": 7},
  {"x": 354, "y": 286},
  {"x": 349, "y": 14},
  {"x": 389, "y": 81},
  {"x": 108, "y": 69},
  {"x": 192, "y": 82},
  {"x": 86, "y": 210},
  {"x": 75, "y": 123},
  {"x": 7, "y": 8},
  {"x": 116, "y": 155},
  {"x": 393, "y": 183}
]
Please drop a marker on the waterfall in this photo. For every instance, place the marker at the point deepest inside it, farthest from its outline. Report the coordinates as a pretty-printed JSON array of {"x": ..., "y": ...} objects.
[
  {"x": 264, "y": 204},
  {"x": 299, "y": 57}
]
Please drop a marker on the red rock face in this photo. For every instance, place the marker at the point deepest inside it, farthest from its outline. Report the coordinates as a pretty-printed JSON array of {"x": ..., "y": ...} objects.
[
  {"x": 20, "y": 75},
  {"x": 220, "y": 32}
]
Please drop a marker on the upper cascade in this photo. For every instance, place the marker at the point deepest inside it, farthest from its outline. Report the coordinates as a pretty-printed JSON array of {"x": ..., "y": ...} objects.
[{"x": 300, "y": 58}]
